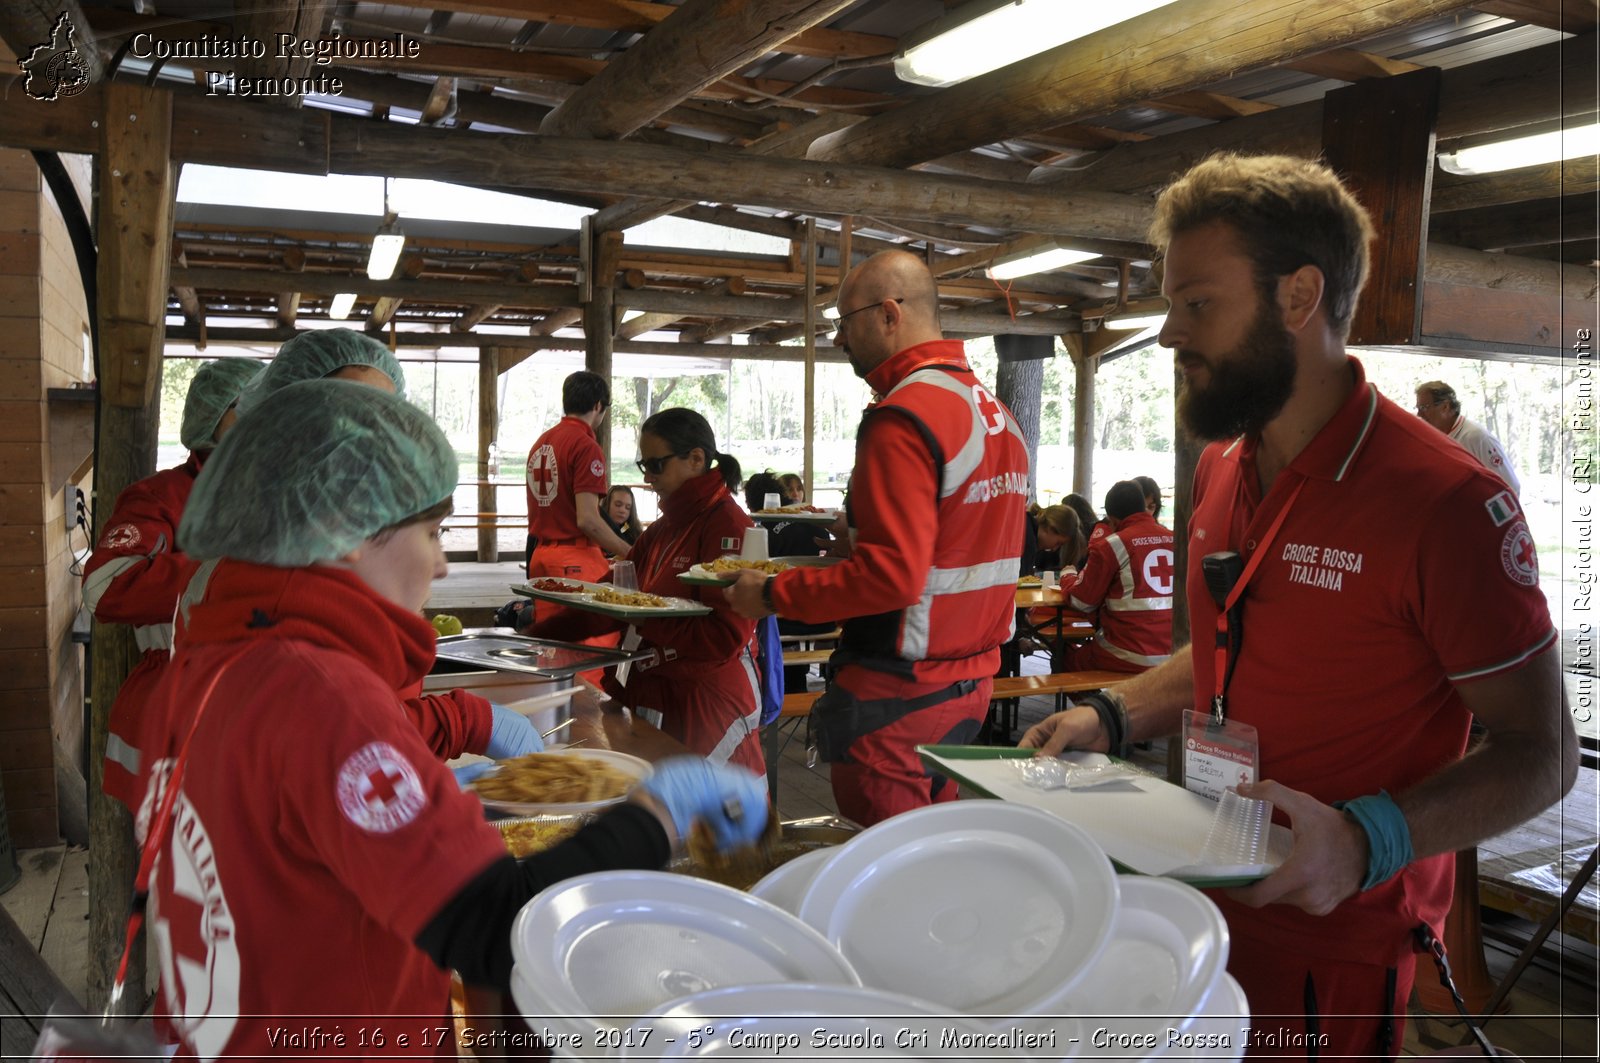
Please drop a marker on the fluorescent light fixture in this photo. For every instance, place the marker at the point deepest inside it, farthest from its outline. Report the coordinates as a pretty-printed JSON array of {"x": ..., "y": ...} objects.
[
  {"x": 965, "y": 46},
  {"x": 341, "y": 306},
  {"x": 1133, "y": 321},
  {"x": 1038, "y": 262},
  {"x": 1533, "y": 150},
  {"x": 386, "y": 246}
]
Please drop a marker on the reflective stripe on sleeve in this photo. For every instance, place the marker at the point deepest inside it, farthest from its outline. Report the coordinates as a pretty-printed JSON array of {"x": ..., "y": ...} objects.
[
  {"x": 95, "y": 584},
  {"x": 943, "y": 581},
  {"x": 153, "y": 637},
  {"x": 123, "y": 754}
]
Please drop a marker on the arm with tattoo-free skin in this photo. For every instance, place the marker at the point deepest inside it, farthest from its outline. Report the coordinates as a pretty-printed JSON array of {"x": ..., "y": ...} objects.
[
  {"x": 1527, "y": 762},
  {"x": 1155, "y": 699}
]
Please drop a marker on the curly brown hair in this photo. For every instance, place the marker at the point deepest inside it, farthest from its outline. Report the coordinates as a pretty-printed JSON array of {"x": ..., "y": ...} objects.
[{"x": 1288, "y": 212}]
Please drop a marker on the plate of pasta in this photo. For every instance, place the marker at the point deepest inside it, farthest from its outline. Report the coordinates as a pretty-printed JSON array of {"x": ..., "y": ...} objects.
[
  {"x": 725, "y": 570},
  {"x": 799, "y": 513},
  {"x": 611, "y": 601},
  {"x": 566, "y": 781}
]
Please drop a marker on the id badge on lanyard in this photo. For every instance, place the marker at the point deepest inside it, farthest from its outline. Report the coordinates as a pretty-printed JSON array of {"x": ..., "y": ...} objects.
[{"x": 1219, "y": 753}]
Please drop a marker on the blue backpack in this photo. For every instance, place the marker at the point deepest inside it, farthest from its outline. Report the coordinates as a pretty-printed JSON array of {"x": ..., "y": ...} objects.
[{"x": 769, "y": 666}]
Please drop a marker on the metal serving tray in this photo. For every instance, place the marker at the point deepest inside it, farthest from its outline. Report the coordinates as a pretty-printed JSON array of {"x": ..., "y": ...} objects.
[{"x": 501, "y": 651}]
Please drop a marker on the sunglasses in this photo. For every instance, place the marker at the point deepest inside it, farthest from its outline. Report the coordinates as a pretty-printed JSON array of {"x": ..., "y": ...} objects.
[{"x": 653, "y": 466}]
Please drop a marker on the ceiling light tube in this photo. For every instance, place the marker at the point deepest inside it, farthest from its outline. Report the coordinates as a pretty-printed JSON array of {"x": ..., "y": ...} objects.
[
  {"x": 1137, "y": 320},
  {"x": 386, "y": 246},
  {"x": 964, "y": 46},
  {"x": 1514, "y": 154},
  {"x": 1038, "y": 262},
  {"x": 342, "y": 304}
]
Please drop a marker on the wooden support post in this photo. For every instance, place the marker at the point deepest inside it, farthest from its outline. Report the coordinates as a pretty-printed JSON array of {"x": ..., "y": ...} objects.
[
  {"x": 598, "y": 314},
  {"x": 488, "y": 428},
  {"x": 1379, "y": 136},
  {"x": 138, "y": 184},
  {"x": 1083, "y": 365},
  {"x": 808, "y": 469}
]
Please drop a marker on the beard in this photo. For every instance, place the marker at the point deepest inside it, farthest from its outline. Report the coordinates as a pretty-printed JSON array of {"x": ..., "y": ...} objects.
[{"x": 1247, "y": 389}]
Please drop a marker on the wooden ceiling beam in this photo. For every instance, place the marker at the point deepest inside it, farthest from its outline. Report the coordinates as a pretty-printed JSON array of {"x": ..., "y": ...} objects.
[
  {"x": 1201, "y": 104},
  {"x": 263, "y": 20},
  {"x": 650, "y": 322},
  {"x": 26, "y": 25},
  {"x": 1452, "y": 192},
  {"x": 1156, "y": 54},
  {"x": 1568, "y": 16},
  {"x": 699, "y": 44},
  {"x": 1501, "y": 93},
  {"x": 1521, "y": 225},
  {"x": 1349, "y": 64},
  {"x": 475, "y": 316},
  {"x": 288, "y": 308},
  {"x": 326, "y": 285},
  {"x": 635, "y": 16}
]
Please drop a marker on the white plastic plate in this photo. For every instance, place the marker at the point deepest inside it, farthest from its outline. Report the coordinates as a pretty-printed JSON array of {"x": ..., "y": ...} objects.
[
  {"x": 987, "y": 908},
  {"x": 616, "y": 944},
  {"x": 806, "y": 1022},
  {"x": 786, "y": 884}
]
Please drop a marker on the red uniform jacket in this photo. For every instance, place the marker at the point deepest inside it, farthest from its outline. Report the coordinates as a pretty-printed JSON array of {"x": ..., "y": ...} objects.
[
  {"x": 938, "y": 503},
  {"x": 315, "y": 834},
  {"x": 1128, "y": 580}
]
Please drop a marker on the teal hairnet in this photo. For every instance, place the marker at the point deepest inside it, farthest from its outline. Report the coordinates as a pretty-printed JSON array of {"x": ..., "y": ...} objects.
[
  {"x": 215, "y": 387},
  {"x": 315, "y": 354},
  {"x": 317, "y": 468}
]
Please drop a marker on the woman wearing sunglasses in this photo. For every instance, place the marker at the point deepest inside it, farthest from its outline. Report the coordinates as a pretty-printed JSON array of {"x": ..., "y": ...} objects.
[{"x": 701, "y": 675}]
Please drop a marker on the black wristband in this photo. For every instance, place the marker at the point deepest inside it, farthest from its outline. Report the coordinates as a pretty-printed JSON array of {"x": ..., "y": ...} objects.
[
  {"x": 1113, "y": 720},
  {"x": 766, "y": 594}
]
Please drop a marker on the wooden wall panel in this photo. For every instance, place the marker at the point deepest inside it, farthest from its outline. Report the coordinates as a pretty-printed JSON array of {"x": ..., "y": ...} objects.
[
  {"x": 21, "y": 462},
  {"x": 22, "y": 628},
  {"x": 18, "y": 172},
  {"x": 22, "y": 585},
  {"x": 19, "y": 341},
  {"x": 19, "y": 211},
  {"x": 21, "y": 503},
  {"x": 19, "y": 253},
  {"x": 22, "y": 422},
  {"x": 22, "y": 542},
  {"x": 19, "y": 297}
]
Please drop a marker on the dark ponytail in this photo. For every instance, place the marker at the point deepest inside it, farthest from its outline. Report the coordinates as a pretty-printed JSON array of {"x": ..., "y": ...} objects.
[{"x": 683, "y": 430}]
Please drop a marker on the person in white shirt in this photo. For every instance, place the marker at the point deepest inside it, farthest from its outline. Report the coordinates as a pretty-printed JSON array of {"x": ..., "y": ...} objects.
[{"x": 1437, "y": 404}]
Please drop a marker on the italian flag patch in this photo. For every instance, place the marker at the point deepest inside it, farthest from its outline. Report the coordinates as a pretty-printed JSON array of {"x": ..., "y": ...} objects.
[
  {"x": 730, "y": 543},
  {"x": 1502, "y": 508}
]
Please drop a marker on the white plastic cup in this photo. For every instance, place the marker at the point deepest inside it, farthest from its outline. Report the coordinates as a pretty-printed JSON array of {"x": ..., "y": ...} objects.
[
  {"x": 771, "y": 501},
  {"x": 623, "y": 576},
  {"x": 1047, "y": 580},
  {"x": 1238, "y": 835},
  {"x": 755, "y": 545}
]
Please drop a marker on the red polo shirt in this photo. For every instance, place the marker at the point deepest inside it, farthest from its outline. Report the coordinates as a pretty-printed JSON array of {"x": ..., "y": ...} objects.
[
  {"x": 564, "y": 462},
  {"x": 1402, "y": 569}
]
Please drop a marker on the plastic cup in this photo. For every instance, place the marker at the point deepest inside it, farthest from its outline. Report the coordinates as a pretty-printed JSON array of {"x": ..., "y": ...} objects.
[
  {"x": 755, "y": 545},
  {"x": 771, "y": 501},
  {"x": 1238, "y": 835},
  {"x": 1047, "y": 580},
  {"x": 623, "y": 576}
]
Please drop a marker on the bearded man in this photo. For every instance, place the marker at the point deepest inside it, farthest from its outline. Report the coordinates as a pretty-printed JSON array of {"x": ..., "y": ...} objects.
[{"x": 1327, "y": 544}]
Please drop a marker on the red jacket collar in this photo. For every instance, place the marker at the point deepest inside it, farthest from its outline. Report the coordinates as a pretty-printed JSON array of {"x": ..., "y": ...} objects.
[
  {"x": 694, "y": 496},
  {"x": 325, "y": 606},
  {"x": 581, "y": 423},
  {"x": 902, "y": 364}
]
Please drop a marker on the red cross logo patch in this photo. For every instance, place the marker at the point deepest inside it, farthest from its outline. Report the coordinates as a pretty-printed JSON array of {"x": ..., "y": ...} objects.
[
  {"x": 379, "y": 790},
  {"x": 990, "y": 412},
  {"x": 1158, "y": 571},
  {"x": 1517, "y": 555},
  {"x": 543, "y": 477},
  {"x": 121, "y": 537}
]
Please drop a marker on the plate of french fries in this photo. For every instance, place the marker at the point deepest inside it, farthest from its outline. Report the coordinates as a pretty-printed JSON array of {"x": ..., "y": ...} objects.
[{"x": 560, "y": 781}]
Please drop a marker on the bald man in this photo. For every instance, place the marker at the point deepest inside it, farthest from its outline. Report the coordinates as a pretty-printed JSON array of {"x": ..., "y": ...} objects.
[{"x": 936, "y": 510}]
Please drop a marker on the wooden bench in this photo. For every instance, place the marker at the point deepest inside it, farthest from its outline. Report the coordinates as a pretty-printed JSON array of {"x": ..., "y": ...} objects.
[{"x": 806, "y": 657}]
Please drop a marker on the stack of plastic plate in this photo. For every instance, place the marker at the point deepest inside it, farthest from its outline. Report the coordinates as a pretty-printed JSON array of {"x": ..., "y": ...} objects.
[
  {"x": 596, "y": 951},
  {"x": 807, "y": 1022},
  {"x": 989, "y": 909},
  {"x": 1160, "y": 989}
]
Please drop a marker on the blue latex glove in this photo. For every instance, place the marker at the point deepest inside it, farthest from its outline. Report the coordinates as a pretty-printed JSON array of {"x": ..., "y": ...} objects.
[
  {"x": 512, "y": 735},
  {"x": 468, "y": 772},
  {"x": 731, "y": 800}
]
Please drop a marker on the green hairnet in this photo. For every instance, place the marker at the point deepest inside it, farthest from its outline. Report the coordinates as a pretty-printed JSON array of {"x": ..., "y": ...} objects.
[
  {"x": 314, "y": 355},
  {"x": 215, "y": 387},
  {"x": 315, "y": 470}
]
